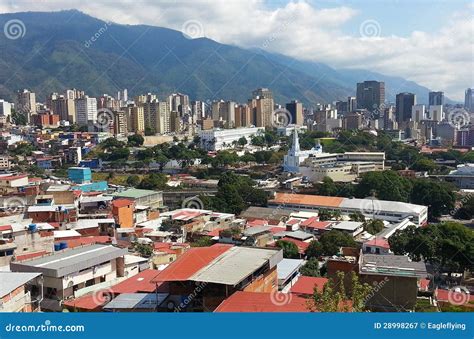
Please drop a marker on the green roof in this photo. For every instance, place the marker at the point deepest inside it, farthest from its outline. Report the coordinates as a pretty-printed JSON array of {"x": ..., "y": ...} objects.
[{"x": 135, "y": 193}]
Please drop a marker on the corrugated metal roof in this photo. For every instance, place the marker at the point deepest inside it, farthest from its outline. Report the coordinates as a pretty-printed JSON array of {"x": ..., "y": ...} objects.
[
  {"x": 13, "y": 280},
  {"x": 234, "y": 265},
  {"x": 136, "y": 301},
  {"x": 71, "y": 260}
]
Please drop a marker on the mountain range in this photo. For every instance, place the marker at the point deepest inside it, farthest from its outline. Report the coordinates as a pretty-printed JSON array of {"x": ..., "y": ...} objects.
[{"x": 69, "y": 49}]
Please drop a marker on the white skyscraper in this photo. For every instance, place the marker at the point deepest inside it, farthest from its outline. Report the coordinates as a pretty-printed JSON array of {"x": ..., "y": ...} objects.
[
  {"x": 5, "y": 108},
  {"x": 436, "y": 113},
  {"x": 418, "y": 113},
  {"x": 86, "y": 110}
]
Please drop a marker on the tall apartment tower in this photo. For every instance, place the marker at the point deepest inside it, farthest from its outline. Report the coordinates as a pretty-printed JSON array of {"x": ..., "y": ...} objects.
[
  {"x": 179, "y": 102},
  {"x": 243, "y": 116},
  {"x": 86, "y": 111},
  {"x": 418, "y": 113},
  {"x": 404, "y": 103},
  {"x": 262, "y": 106},
  {"x": 26, "y": 103},
  {"x": 370, "y": 95},
  {"x": 296, "y": 110},
  {"x": 351, "y": 104},
  {"x": 436, "y": 98},
  {"x": 469, "y": 100},
  {"x": 137, "y": 119}
]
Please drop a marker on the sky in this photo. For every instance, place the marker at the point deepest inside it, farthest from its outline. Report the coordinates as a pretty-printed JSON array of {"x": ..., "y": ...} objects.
[{"x": 427, "y": 41}]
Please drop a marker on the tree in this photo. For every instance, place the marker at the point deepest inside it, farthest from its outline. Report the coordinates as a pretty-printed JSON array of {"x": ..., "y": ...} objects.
[
  {"x": 242, "y": 141},
  {"x": 357, "y": 216},
  {"x": 133, "y": 180},
  {"x": 135, "y": 140},
  {"x": 19, "y": 118},
  {"x": 439, "y": 197},
  {"x": 448, "y": 245},
  {"x": 387, "y": 185},
  {"x": 311, "y": 268},
  {"x": 144, "y": 250},
  {"x": 328, "y": 187},
  {"x": 335, "y": 298},
  {"x": 333, "y": 240},
  {"x": 373, "y": 226},
  {"x": 466, "y": 211},
  {"x": 153, "y": 181},
  {"x": 290, "y": 250},
  {"x": 314, "y": 250},
  {"x": 203, "y": 242}
]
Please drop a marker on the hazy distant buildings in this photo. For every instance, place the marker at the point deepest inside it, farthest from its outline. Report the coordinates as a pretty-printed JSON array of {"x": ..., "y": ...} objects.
[
  {"x": 370, "y": 95},
  {"x": 436, "y": 98},
  {"x": 469, "y": 100},
  {"x": 296, "y": 110},
  {"x": 403, "y": 106},
  {"x": 243, "y": 116},
  {"x": 63, "y": 106}
]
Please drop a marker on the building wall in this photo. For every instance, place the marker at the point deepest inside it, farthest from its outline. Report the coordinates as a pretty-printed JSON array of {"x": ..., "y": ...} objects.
[{"x": 268, "y": 282}]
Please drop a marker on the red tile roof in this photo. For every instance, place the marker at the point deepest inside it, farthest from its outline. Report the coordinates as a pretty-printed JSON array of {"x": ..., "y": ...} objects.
[
  {"x": 191, "y": 262},
  {"x": 28, "y": 256},
  {"x": 90, "y": 302},
  {"x": 88, "y": 241},
  {"x": 305, "y": 285},
  {"x": 302, "y": 246},
  {"x": 378, "y": 242},
  {"x": 214, "y": 233},
  {"x": 314, "y": 222},
  {"x": 14, "y": 177},
  {"x": 257, "y": 222},
  {"x": 447, "y": 295},
  {"x": 424, "y": 284},
  {"x": 122, "y": 203},
  {"x": 293, "y": 221},
  {"x": 263, "y": 302},
  {"x": 6, "y": 228},
  {"x": 142, "y": 282}
]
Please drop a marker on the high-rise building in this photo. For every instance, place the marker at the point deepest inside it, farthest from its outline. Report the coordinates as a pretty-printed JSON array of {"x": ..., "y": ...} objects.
[
  {"x": 296, "y": 110},
  {"x": 86, "y": 111},
  {"x": 5, "y": 108},
  {"x": 262, "y": 106},
  {"x": 179, "y": 102},
  {"x": 418, "y": 113},
  {"x": 351, "y": 104},
  {"x": 243, "y": 116},
  {"x": 120, "y": 123},
  {"x": 403, "y": 105},
  {"x": 224, "y": 111},
  {"x": 63, "y": 106},
  {"x": 352, "y": 121},
  {"x": 74, "y": 94},
  {"x": 370, "y": 95},
  {"x": 26, "y": 103},
  {"x": 436, "y": 113},
  {"x": 469, "y": 100},
  {"x": 198, "y": 109},
  {"x": 436, "y": 98},
  {"x": 137, "y": 119}
]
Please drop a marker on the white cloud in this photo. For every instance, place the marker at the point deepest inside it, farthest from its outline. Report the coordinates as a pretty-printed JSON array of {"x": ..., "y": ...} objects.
[{"x": 440, "y": 60}]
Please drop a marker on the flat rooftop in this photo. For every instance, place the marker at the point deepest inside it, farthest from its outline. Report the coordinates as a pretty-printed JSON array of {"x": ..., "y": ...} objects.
[
  {"x": 70, "y": 261},
  {"x": 391, "y": 265},
  {"x": 135, "y": 193}
]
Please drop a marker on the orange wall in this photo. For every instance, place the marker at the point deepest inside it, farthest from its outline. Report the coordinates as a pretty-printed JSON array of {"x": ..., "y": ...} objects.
[{"x": 266, "y": 283}]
